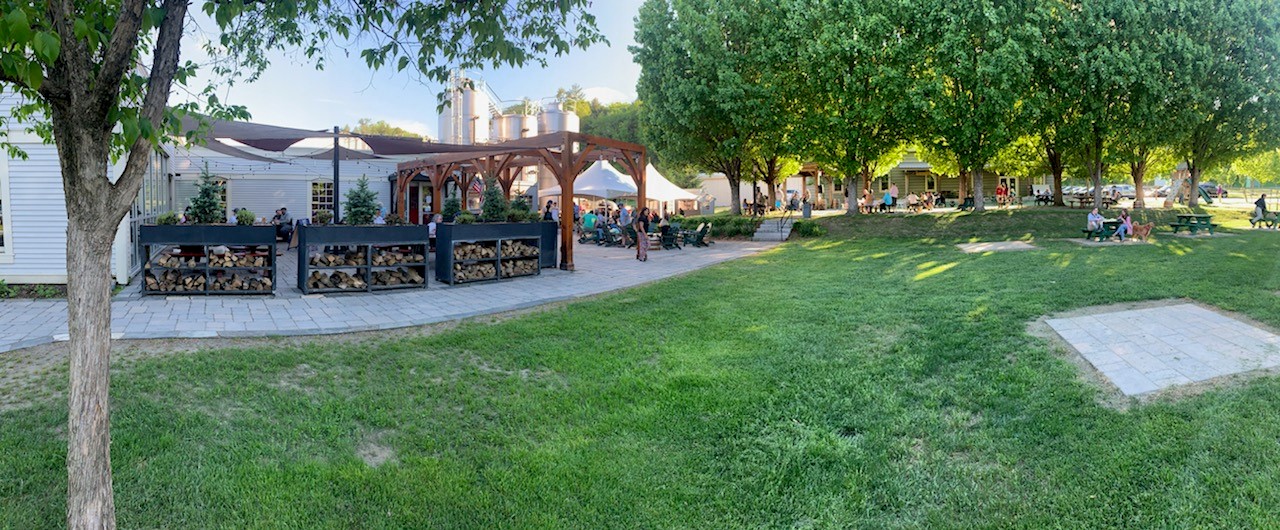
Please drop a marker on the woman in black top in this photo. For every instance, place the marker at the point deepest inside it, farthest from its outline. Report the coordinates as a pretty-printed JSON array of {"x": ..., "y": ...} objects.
[{"x": 641, "y": 225}]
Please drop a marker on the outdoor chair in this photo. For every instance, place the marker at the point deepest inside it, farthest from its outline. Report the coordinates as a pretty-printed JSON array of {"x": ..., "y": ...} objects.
[
  {"x": 630, "y": 236},
  {"x": 700, "y": 238},
  {"x": 669, "y": 241},
  {"x": 689, "y": 236}
]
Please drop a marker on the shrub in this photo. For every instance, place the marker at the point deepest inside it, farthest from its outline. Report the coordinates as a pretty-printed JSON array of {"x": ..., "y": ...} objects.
[
  {"x": 207, "y": 207},
  {"x": 520, "y": 212},
  {"x": 396, "y": 219},
  {"x": 6, "y": 291},
  {"x": 324, "y": 217},
  {"x": 721, "y": 225},
  {"x": 362, "y": 204},
  {"x": 465, "y": 218},
  {"x": 495, "y": 207},
  {"x": 244, "y": 217},
  {"x": 452, "y": 207},
  {"x": 807, "y": 228},
  {"x": 167, "y": 218}
]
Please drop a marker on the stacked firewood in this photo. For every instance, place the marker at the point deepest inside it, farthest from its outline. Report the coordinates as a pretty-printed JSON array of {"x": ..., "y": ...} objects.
[
  {"x": 352, "y": 258},
  {"x": 237, "y": 282},
  {"x": 385, "y": 258},
  {"x": 237, "y": 260},
  {"x": 519, "y": 267},
  {"x": 473, "y": 272},
  {"x": 335, "y": 280},
  {"x": 470, "y": 251},
  {"x": 400, "y": 276},
  {"x": 518, "y": 249},
  {"x": 174, "y": 281},
  {"x": 174, "y": 262}
]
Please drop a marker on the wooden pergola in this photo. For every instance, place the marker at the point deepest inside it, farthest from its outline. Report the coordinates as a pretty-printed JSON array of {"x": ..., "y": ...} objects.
[{"x": 565, "y": 154}]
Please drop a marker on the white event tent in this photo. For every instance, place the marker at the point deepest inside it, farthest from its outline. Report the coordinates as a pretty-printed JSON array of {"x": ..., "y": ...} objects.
[
  {"x": 658, "y": 188},
  {"x": 599, "y": 180}
]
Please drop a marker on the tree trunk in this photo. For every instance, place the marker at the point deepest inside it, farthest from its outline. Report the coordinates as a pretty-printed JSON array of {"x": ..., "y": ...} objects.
[
  {"x": 773, "y": 194},
  {"x": 1055, "y": 166},
  {"x": 90, "y": 502},
  {"x": 1138, "y": 170},
  {"x": 978, "y": 199},
  {"x": 1193, "y": 193},
  {"x": 735, "y": 193}
]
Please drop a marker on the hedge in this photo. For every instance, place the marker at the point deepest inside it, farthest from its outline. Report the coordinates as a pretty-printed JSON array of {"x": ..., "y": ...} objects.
[{"x": 721, "y": 225}]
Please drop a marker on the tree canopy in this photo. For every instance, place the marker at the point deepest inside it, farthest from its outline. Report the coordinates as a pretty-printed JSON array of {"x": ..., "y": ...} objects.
[{"x": 380, "y": 128}]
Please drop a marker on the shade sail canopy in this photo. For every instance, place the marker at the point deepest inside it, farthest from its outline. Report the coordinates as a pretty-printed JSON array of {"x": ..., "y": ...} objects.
[
  {"x": 343, "y": 154},
  {"x": 599, "y": 180},
  {"x": 658, "y": 188}
]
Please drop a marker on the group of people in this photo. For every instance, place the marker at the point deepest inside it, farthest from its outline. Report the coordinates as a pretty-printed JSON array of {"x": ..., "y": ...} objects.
[
  {"x": 602, "y": 220},
  {"x": 1095, "y": 222},
  {"x": 889, "y": 201}
]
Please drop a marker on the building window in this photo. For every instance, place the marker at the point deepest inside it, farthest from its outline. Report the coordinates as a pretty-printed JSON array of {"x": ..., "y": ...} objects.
[
  {"x": 839, "y": 184},
  {"x": 321, "y": 197},
  {"x": 930, "y": 183}
]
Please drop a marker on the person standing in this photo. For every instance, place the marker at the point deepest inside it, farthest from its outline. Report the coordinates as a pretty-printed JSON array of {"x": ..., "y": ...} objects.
[
  {"x": 546, "y": 212},
  {"x": 641, "y": 226},
  {"x": 893, "y": 193}
]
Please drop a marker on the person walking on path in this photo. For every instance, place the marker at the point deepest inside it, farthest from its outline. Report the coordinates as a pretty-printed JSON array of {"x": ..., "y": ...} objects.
[{"x": 641, "y": 225}]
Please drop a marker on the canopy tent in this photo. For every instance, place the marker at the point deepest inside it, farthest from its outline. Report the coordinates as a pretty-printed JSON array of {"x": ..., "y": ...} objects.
[
  {"x": 599, "y": 180},
  {"x": 662, "y": 190}
]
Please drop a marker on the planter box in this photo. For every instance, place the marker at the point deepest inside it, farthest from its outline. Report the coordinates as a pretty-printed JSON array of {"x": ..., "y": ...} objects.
[
  {"x": 195, "y": 272},
  {"x": 364, "y": 241},
  {"x": 550, "y": 235},
  {"x": 449, "y": 236},
  {"x": 206, "y": 235}
]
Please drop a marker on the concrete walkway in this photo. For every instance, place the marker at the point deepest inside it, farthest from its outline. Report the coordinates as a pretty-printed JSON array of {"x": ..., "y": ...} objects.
[{"x": 25, "y": 323}]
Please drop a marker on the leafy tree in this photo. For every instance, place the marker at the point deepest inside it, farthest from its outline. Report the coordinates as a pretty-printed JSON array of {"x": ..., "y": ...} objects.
[
  {"x": 379, "y": 128},
  {"x": 574, "y": 99},
  {"x": 971, "y": 73},
  {"x": 853, "y": 85},
  {"x": 1263, "y": 167},
  {"x": 95, "y": 78},
  {"x": 207, "y": 207},
  {"x": 620, "y": 121},
  {"x": 361, "y": 205},
  {"x": 525, "y": 106},
  {"x": 708, "y": 80},
  {"x": 450, "y": 209},
  {"x": 1225, "y": 95}
]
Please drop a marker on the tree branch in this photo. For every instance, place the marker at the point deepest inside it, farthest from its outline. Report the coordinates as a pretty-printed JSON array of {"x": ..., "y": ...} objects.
[
  {"x": 118, "y": 57},
  {"x": 164, "y": 64}
]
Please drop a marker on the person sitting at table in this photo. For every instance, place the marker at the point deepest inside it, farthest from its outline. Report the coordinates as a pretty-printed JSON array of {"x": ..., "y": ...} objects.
[
  {"x": 284, "y": 223},
  {"x": 913, "y": 202},
  {"x": 1094, "y": 220},
  {"x": 1259, "y": 210},
  {"x": 378, "y": 218},
  {"x": 1125, "y": 226}
]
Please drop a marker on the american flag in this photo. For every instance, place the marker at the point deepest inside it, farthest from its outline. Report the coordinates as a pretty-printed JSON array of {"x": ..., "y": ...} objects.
[{"x": 477, "y": 185}]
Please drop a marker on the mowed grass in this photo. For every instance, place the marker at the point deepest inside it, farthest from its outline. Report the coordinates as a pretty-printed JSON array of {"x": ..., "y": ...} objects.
[{"x": 841, "y": 382}]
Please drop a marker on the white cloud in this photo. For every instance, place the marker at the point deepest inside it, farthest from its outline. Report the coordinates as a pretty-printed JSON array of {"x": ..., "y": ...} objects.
[{"x": 607, "y": 95}]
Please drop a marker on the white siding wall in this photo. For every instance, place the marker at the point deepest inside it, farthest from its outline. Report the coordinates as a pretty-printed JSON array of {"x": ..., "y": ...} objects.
[
  {"x": 262, "y": 195},
  {"x": 39, "y": 218}
]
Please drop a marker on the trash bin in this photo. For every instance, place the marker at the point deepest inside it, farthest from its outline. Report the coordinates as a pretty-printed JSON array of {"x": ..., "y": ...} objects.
[{"x": 806, "y": 211}]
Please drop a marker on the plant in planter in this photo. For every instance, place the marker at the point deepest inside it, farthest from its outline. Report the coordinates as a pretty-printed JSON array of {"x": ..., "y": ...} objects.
[
  {"x": 495, "y": 207},
  {"x": 362, "y": 204},
  {"x": 396, "y": 219},
  {"x": 324, "y": 217},
  {"x": 520, "y": 212},
  {"x": 452, "y": 207},
  {"x": 207, "y": 207},
  {"x": 465, "y": 218},
  {"x": 167, "y": 218},
  {"x": 244, "y": 217}
]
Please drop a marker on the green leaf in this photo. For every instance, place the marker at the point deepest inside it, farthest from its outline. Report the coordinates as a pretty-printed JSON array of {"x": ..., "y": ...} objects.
[
  {"x": 34, "y": 75},
  {"x": 19, "y": 26},
  {"x": 47, "y": 47},
  {"x": 404, "y": 63}
]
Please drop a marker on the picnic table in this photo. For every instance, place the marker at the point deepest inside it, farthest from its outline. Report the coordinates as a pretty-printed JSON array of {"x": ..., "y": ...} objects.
[
  {"x": 1080, "y": 201},
  {"x": 1109, "y": 227},
  {"x": 1194, "y": 222}
]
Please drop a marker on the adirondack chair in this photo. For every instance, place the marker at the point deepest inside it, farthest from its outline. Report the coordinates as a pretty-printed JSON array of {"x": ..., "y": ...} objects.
[{"x": 669, "y": 241}]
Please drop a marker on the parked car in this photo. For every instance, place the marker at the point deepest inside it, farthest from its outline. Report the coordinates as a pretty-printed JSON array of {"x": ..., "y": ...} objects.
[
  {"x": 1126, "y": 190},
  {"x": 1213, "y": 190},
  {"x": 1162, "y": 191}
]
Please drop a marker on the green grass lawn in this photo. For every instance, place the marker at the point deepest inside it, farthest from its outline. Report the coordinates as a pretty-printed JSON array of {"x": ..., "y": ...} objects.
[{"x": 874, "y": 378}]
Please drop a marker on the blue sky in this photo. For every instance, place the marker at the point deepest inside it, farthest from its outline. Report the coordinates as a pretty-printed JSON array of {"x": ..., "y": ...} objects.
[{"x": 296, "y": 95}]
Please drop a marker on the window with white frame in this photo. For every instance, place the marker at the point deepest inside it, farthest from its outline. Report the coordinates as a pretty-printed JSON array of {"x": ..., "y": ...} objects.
[
  {"x": 930, "y": 183},
  {"x": 321, "y": 196}
]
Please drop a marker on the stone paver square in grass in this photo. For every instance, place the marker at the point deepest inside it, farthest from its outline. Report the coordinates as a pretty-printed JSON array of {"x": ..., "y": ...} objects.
[
  {"x": 1150, "y": 349},
  {"x": 995, "y": 246}
]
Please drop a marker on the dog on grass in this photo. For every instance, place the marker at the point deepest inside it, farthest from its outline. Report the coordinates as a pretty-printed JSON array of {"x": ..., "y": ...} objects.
[{"x": 1143, "y": 231}]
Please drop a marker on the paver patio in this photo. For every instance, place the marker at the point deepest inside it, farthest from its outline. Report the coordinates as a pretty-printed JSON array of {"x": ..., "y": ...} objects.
[
  {"x": 25, "y": 323},
  {"x": 1145, "y": 350}
]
